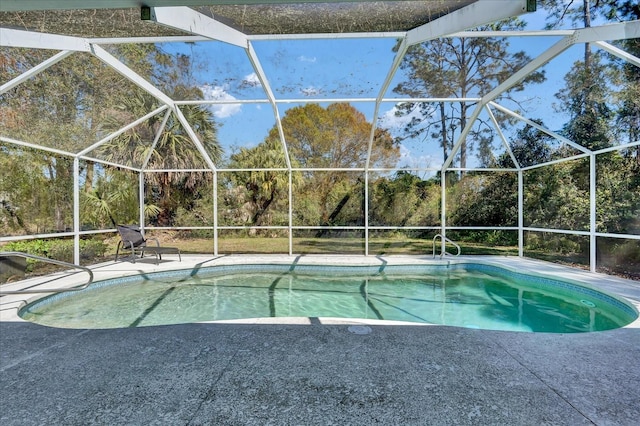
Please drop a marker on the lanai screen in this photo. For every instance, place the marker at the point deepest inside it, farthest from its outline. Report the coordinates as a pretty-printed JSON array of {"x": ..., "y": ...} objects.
[{"x": 358, "y": 127}]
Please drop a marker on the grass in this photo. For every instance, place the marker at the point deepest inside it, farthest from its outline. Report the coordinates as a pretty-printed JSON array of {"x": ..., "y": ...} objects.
[
  {"x": 342, "y": 245},
  {"x": 332, "y": 245}
]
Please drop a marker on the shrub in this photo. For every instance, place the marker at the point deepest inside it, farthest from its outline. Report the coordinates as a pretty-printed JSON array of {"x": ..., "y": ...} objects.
[{"x": 57, "y": 249}]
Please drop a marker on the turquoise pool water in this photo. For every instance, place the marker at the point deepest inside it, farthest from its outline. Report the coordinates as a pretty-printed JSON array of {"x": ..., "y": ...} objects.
[{"x": 468, "y": 295}]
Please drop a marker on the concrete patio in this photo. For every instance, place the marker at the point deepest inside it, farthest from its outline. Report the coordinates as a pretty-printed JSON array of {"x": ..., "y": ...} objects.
[{"x": 310, "y": 371}]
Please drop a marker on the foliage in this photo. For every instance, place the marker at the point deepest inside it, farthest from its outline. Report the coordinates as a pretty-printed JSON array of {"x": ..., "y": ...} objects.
[
  {"x": 529, "y": 146},
  {"x": 600, "y": 95},
  {"x": 458, "y": 68},
  {"x": 336, "y": 136},
  {"x": 58, "y": 249},
  {"x": 174, "y": 150},
  {"x": 111, "y": 200},
  {"x": 586, "y": 98},
  {"x": 579, "y": 13},
  {"x": 617, "y": 194},
  {"x": 480, "y": 199},
  {"x": 404, "y": 200},
  {"x": 35, "y": 191},
  {"x": 261, "y": 191},
  {"x": 198, "y": 210},
  {"x": 333, "y": 137}
]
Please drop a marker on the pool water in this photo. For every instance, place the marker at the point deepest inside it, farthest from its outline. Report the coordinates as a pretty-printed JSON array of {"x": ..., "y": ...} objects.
[{"x": 459, "y": 297}]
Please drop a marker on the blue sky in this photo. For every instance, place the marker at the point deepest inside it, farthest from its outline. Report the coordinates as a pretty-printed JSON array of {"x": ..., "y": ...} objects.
[{"x": 328, "y": 68}]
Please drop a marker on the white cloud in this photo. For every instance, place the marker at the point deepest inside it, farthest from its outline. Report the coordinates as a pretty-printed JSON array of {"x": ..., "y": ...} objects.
[
  {"x": 311, "y": 91},
  {"x": 303, "y": 58},
  {"x": 251, "y": 80},
  {"x": 410, "y": 160},
  {"x": 218, "y": 93},
  {"x": 390, "y": 120}
]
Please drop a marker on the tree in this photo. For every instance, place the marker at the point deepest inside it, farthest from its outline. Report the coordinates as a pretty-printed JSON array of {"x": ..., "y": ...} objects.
[
  {"x": 111, "y": 200},
  {"x": 404, "y": 200},
  {"x": 333, "y": 137},
  {"x": 459, "y": 68},
  {"x": 175, "y": 150},
  {"x": 263, "y": 189},
  {"x": 80, "y": 100},
  {"x": 628, "y": 78},
  {"x": 586, "y": 97},
  {"x": 64, "y": 121},
  {"x": 529, "y": 146}
]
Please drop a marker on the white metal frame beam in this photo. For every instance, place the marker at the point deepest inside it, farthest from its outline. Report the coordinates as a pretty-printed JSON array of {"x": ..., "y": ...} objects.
[
  {"x": 186, "y": 19},
  {"x": 33, "y": 40},
  {"x": 529, "y": 68},
  {"x": 257, "y": 67},
  {"x": 34, "y": 71},
  {"x": 131, "y": 75},
  {"x": 194, "y": 138},
  {"x": 619, "y": 31},
  {"x": 502, "y": 137},
  {"x": 586, "y": 35},
  {"x": 120, "y": 131},
  {"x": 34, "y": 146},
  {"x": 163, "y": 124},
  {"x": 539, "y": 127},
  {"x": 474, "y": 15},
  {"x": 618, "y": 52},
  {"x": 262, "y": 77}
]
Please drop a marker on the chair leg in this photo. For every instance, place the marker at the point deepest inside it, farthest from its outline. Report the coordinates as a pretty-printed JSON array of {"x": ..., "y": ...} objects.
[{"x": 118, "y": 250}]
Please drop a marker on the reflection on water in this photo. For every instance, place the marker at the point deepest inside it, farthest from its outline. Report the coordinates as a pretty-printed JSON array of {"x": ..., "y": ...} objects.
[{"x": 451, "y": 297}]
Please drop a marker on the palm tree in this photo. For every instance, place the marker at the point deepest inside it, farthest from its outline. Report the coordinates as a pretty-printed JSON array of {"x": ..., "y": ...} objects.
[
  {"x": 263, "y": 187},
  {"x": 174, "y": 149}
]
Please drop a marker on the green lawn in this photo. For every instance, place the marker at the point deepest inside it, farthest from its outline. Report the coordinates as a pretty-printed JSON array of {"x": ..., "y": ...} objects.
[
  {"x": 333, "y": 245},
  {"x": 346, "y": 245}
]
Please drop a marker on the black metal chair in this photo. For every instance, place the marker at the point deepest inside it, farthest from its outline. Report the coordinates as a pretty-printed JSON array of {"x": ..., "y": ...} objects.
[{"x": 131, "y": 238}]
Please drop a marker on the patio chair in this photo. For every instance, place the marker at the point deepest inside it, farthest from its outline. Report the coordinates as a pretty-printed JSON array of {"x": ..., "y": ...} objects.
[{"x": 131, "y": 238}]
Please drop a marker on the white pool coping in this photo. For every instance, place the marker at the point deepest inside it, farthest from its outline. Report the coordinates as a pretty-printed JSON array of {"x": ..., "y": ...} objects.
[{"x": 628, "y": 290}]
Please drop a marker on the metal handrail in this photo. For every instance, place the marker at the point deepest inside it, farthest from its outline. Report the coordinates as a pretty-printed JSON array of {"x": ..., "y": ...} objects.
[
  {"x": 53, "y": 261},
  {"x": 445, "y": 239}
]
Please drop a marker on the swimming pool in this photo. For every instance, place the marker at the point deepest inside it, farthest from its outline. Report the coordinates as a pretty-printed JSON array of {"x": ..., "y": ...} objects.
[{"x": 470, "y": 295}]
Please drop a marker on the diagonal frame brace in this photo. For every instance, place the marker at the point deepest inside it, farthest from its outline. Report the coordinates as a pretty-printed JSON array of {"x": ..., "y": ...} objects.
[
  {"x": 186, "y": 19},
  {"x": 34, "y": 71}
]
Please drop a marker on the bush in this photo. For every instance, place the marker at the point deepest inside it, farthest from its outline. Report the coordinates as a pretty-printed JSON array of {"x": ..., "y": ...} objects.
[
  {"x": 554, "y": 244},
  {"x": 57, "y": 249}
]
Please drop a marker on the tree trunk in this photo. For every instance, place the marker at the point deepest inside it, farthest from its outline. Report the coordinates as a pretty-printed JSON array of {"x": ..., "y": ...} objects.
[
  {"x": 88, "y": 182},
  {"x": 463, "y": 105},
  {"x": 587, "y": 24},
  {"x": 256, "y": 220},
  {"x": 61, "y": 204},
  {"x": 443, "y": 125},
  {"x": 463, "y": 145}
]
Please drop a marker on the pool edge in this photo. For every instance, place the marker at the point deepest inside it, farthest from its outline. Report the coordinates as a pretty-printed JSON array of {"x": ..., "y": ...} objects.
[{"x": 627, "y": 291}]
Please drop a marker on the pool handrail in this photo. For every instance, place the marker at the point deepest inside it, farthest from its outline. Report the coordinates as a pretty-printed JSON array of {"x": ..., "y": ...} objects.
[
  {"x": 444, "y": 252},
  {"x": 47, "y": 260}
]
